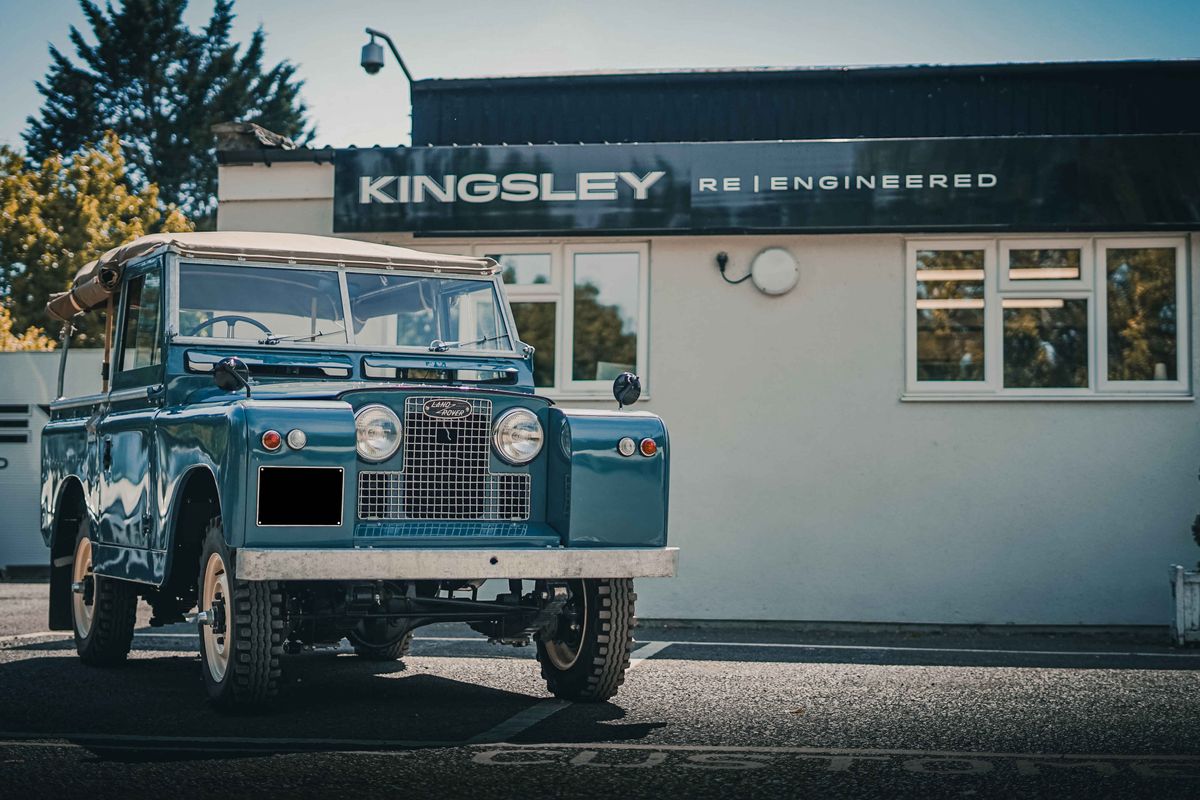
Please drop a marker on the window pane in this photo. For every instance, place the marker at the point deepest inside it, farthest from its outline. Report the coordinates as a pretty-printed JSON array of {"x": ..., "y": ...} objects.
[
  {"x": 139, "y": 340},
  {"x": 1045, "y": 343},
  {"x": 606, "y": 306},
  {"x": 536, "y": 324},
  {"x": 1142, "y": 314},
  {"x": 524, "y": 268},
  {"x": 1056, "y": 264},
  {"x": 950, "y": 307},
  {"x": 227, "y": 302}
]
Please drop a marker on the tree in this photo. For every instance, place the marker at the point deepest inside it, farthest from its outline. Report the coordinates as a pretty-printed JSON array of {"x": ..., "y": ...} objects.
[
  {"x": 600, "y": 335},
  {"x": 160, "y": 86},
  {"x": 31, "y": 339},
  {"x": 63, "y": 213}
]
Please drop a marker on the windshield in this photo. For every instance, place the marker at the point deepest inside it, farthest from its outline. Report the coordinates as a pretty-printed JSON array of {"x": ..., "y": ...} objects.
[
  {"x": 270, "y": 305},
  {"x": 434, "y": 313}
]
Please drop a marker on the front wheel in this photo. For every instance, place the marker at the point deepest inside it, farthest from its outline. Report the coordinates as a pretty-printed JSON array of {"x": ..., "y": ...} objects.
[
  {"x": 241, "y": 629},
  {"x": 585, "y": 657},
  {"x": 103, "y": 610}
]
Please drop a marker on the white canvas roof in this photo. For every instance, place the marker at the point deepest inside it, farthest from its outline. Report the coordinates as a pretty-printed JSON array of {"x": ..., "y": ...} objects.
[{"x": 97, "y": 280}]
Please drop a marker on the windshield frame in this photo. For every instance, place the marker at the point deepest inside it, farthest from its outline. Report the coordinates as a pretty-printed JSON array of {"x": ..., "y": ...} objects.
[{"x": 495, "y": 280}]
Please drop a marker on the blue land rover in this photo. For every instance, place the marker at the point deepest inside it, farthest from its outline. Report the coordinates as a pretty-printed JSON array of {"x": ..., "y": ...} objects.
[{"x": 309, "y": 439}]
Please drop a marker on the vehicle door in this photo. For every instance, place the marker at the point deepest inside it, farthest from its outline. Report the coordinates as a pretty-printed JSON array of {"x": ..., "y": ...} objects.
[{"x": 127, "y": 429}]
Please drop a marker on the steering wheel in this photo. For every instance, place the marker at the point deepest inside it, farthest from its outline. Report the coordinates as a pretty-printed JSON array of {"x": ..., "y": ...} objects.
[{"x": 231, "y": 319}]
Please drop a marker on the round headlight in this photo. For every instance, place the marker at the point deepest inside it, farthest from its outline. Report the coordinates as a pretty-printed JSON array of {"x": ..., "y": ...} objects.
[
  {"x": 378, "y": 431},
  {"x": 517, "y": 436}
]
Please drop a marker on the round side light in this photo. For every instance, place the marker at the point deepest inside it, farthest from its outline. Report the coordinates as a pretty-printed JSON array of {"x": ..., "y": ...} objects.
[
  {"x": 648, "y": 447},
  {"x": 296, "y": 439},
  {"x": 271, "y": 440},
  {"x": 627, "y": 447}
]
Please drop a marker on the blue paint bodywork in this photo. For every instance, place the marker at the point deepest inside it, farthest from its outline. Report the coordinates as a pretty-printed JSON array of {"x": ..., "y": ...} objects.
[{"x": 131, "y": 453}]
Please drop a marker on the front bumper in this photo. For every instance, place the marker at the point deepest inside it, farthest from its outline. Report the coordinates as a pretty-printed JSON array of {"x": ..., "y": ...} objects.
[{"x": 332, "y": 564}]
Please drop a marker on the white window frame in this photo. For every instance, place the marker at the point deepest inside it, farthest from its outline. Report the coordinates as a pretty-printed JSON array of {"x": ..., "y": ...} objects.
[
  {"x": 566, "y": 360},
  {"x": 560, "y": 291},
  {"x": 550, "y": 293},
  {"x": 1040, "y": 286},
  {"x": 991, "y": 374},
  {"x": 1182, "y": 304},
  {"x": 1092, "y": 287}
]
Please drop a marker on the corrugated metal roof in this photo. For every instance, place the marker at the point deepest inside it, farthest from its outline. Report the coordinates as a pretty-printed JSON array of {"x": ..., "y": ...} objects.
[{"x": 1083, "y": 98}]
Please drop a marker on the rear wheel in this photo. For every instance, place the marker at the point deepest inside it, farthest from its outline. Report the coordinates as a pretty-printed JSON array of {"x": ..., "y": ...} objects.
[
  {"x": 103, "y": 610},
  {"x": 586, "y": 656},
  {"x": 241, "y": 629},
  {"x": 381, "y": 640}
]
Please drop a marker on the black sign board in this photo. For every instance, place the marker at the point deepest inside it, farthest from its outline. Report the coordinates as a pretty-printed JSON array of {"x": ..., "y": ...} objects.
[{"x": 930, "y": 185}]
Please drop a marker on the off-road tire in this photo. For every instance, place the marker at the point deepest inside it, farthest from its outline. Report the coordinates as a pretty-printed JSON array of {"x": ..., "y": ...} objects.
[
  {"x": 599, "y": 670},
  {"x": 256, "y": 630},
  {"x": 114, "y": 614},
  {"x": 373, "y": 652}
]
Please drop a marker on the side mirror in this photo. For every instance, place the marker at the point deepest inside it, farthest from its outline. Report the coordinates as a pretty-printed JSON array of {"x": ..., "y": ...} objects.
[
  {"x": 231, "y": 374},
  {"x": 627, "y": 388}
]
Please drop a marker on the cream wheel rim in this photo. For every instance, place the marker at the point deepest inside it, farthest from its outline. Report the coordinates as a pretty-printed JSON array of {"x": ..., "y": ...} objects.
[
  {"x": 81, "y": 573},
  {"x": 215, "y": 600},
  {"x": 563, "y": 655}
]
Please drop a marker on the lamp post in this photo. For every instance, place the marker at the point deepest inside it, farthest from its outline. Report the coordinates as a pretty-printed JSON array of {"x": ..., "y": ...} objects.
[{"x": 372, "y": 61}]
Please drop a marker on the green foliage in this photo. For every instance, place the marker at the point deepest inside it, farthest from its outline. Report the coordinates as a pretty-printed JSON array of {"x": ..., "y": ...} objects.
[
  {"x": 57, "y": 216},
  {"x": 160, "y": 86},
  {"x": 599, "y": 335},
  {"x": 31, "y": 339},
  {"x": 1046, "y": 347},
  {"x": 950, "y": 339},
  {"x": 536, "y": 325},
  {"x": 1142, "y": 313}
]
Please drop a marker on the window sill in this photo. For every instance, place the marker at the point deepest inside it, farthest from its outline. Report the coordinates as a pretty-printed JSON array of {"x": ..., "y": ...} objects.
[{"x": 959, "y": 397}]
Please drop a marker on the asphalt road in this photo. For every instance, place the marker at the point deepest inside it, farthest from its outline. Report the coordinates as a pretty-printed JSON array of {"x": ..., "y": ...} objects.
[{"x": 701, "y": 714}]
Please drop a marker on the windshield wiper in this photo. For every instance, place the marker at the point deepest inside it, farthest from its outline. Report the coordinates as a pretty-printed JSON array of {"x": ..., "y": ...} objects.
[
  {"x": 306, "y": 337},
  {"x": 438, "y": 346}
]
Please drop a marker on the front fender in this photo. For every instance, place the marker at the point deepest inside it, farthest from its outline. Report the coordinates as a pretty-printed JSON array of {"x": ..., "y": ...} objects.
[
  {"x": 204, "y": 436},
  {"x": 598, "y": 497}
]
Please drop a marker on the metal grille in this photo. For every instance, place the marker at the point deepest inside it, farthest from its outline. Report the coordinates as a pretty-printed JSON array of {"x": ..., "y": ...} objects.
[{"x": 445, "y": 473}]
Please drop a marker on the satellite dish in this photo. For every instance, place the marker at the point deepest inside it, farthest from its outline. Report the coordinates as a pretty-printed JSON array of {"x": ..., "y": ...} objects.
[{"x": 775, "y": 271}]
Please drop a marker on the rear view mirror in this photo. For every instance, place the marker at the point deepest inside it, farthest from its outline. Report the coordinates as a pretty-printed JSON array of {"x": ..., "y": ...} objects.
[
  {"x": 231, "y": 374},
  {"x": 627, "y": 388}
]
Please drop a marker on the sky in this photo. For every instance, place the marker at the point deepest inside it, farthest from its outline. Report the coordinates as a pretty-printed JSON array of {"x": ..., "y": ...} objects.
[{"x": 467, "y": 38}]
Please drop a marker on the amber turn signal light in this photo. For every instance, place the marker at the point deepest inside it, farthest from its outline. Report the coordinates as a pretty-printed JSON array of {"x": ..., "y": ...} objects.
[
  {"x": 271, "y": 440},
  {"x": 648, "y": 447}
]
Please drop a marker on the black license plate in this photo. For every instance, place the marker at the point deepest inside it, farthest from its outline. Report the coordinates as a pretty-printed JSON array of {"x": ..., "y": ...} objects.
[{"x": 300, "y": 496}]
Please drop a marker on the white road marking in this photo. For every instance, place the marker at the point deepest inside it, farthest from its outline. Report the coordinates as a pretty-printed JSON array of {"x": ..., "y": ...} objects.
[
  {"x": 970, "y": 650},
  {"x": 521, "y": 721},
  {"x": 526, "y": 719},
  {"x": 848, "y": 751},
  {"x": 647, "y": 650},
  {"x": 786, "y": 645},
  {"x": 379, "y": 747},
  {"x": 16, "y": 739},
  {"x": 20, "y": 637}
]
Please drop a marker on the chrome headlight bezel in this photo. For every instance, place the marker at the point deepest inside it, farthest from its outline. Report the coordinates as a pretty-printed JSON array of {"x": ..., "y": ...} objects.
[
  {"x": 503, "y": 442},
  {"x": 362, "y": 419}
]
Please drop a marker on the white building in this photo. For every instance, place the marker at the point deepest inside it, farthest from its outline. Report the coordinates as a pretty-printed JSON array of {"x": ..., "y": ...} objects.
[{"x": 976, "y": 405}]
